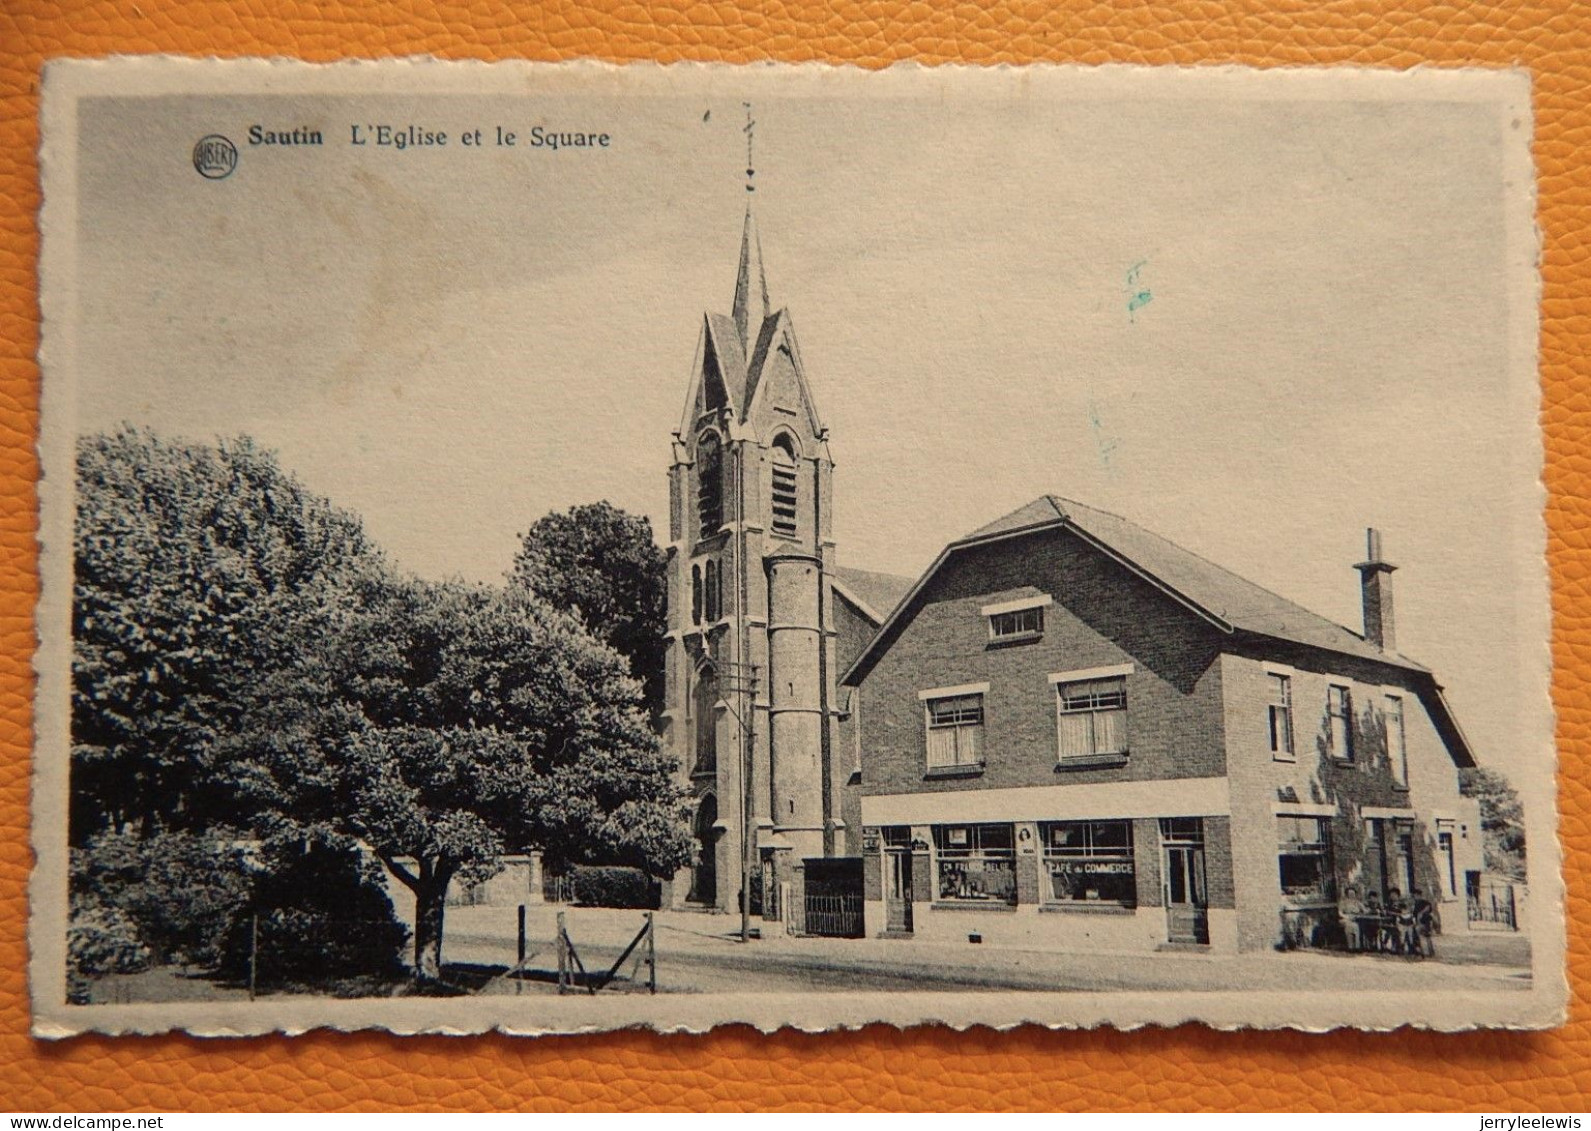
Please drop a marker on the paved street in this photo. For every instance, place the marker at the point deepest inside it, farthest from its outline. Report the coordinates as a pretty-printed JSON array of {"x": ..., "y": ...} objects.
[{"x": 700, "y": 953}]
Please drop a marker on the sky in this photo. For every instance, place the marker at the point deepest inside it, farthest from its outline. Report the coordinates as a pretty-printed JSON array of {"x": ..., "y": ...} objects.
[{"x": 1254, "y": 319}]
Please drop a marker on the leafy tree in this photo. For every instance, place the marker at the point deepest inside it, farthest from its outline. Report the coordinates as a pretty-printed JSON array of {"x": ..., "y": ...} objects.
[
  {"x": 198, "y": 569},
  {"x": 446, "y": 724},
  {"x": 181, "y": 891},
  {"x": 319, "y": 916},
  {"x": 604, "y": 566},
  {"x": 1502, "y": 819}
]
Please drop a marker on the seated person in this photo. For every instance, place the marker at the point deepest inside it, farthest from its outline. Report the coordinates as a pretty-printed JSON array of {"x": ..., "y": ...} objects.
[
  {"x": 1393, "y": 921},
  {"x": 1373, "y": 916}
]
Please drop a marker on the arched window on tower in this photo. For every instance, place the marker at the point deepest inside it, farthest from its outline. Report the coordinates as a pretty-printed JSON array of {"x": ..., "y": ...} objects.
[
  {"x": 709, "y": 484},
  {"x": 784, "y": 486},
  {"x": 714, "y": 600},
  {"x": 706, "y": 719},
  {"x": 696, "y": 594}
]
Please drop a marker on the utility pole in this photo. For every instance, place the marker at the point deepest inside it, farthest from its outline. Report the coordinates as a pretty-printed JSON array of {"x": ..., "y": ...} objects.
[{"x": 742, "y": 678}]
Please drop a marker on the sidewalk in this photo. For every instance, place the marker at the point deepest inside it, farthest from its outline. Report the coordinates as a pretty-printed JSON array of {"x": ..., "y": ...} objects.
[{"x": 700, "y": 953}]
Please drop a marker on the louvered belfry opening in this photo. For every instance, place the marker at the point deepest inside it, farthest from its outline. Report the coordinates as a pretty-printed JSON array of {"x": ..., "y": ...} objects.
[{"x": 784, "y": 489}]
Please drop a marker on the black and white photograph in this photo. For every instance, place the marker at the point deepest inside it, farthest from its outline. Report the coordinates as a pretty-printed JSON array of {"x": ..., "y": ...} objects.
[{"x": 554, "y": 548}]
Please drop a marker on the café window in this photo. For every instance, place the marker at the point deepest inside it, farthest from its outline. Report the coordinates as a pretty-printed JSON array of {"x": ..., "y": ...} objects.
[
  {"x": 1304, "y": 859},
  {"x": 955, "y": 731},
  {"x": 1397, "y": 749},
  {"x": 1089, "y": 862},
  {"x": 1092, "y": 717},
  {"x": 1339, "y": 720},
  {"x": 1281, "y": 717},
  {"x": 976, "y": 863}
]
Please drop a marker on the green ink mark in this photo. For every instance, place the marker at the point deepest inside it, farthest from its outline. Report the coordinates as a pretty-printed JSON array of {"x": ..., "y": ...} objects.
[
  {"x": 1105, "y": 445},
  {"x": 1138, "y": 295}
]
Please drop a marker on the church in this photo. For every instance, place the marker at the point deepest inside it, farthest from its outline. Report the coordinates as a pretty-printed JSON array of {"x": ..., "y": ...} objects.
[
  {"x": 761, "y": 617},
  {"x": 1067, "y": 732}
]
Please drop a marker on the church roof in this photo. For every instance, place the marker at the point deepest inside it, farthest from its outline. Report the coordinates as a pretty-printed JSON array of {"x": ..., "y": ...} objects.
[{"x": 875, "y": 594}]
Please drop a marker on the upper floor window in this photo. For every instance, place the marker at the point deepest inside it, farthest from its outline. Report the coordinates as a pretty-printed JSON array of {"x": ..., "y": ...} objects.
[
  {"x": 976, "y": 863},
  {"x": 709, "y": 484},
  {"x": 955, "y": 730},
  {"x": 783, "y": 508},
  {"x": 696, "y": 594},
  {"x": 1281, "y": 717},
  {"x": 1339, "y": 722},
  {"x": 1397, "y": 748},
  {"x": 1092, "y": 717}
]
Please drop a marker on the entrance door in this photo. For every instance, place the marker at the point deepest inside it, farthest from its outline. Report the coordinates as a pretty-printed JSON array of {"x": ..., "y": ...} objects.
[
  {"x": 1187, "y": 900},
  {"x": 704, "y": 873},
  {"x": 898, "y": 890}
]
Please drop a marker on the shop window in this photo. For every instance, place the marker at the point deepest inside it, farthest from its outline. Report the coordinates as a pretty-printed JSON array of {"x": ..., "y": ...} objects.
[
  {"x": 976, "y": 863},
  {"x": 1092, "y": 717},
  {"x": 1281, "y": 717},
  {"x": 784, "y": 487},
  {"x": 1089, "y": 862},
  {"x": 709, "y": 484},
  {"x": 1304, "y": 857},
  {"x": 1339, "y": 719},
  {"x": 1397, "y": 749},
  {"x": 955, "y": 731}
]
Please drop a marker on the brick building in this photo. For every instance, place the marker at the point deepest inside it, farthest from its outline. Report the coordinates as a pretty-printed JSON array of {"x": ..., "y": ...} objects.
[{"x": 1073, "y": 732}]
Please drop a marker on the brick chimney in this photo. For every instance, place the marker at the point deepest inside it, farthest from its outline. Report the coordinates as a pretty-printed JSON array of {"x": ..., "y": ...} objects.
[{"x": 1375, "y": 583}]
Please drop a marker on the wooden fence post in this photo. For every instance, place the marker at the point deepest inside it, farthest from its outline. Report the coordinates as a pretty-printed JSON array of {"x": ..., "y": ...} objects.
[
  {"x": 519, "y": 966},
  {"x": 651, "y": 953},
  {"x": 254, "y": 952},
  {"x": 563, "y": 955}
]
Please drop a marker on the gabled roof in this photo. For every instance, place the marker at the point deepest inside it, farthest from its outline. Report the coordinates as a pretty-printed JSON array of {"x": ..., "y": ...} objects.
[
  {"x": 874, "y": 595},
  {"x": 1231, "y": 603}
]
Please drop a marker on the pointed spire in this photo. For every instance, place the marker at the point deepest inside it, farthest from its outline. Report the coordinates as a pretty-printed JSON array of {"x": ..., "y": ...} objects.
[
  {"x": 751, "y": 273},
  {"x": 751, "y": 286}
]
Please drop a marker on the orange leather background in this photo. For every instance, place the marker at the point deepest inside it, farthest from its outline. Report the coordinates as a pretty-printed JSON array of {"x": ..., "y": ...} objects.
[{"x": 878, "y": 1068}]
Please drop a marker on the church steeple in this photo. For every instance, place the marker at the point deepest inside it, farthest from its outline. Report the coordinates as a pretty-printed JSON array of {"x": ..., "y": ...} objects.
[{"x": 751, "y": 285}]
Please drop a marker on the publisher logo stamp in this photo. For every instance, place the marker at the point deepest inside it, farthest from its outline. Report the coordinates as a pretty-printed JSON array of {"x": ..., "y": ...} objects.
[{"x": 215, "y": 157}]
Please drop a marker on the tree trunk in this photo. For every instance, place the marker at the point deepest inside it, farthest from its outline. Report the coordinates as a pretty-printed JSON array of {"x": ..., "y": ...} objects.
[{"x": 430, "y": 904}]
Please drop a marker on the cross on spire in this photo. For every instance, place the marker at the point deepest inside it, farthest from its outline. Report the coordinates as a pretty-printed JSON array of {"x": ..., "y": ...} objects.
[
  {"x": 751, "y": 133},
  {"x": 751, "y": 285}
]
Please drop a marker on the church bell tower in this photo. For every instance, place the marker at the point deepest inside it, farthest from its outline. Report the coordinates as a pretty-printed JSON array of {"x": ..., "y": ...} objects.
[{"x": 751, "y": 662}]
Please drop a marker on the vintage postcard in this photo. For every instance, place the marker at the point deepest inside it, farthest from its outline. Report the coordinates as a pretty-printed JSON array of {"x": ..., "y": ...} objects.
[{"x": 557, "y": 548}]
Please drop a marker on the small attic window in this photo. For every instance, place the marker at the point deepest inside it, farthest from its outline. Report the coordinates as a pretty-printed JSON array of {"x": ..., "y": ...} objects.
[
  {"x": 783, "y": 507},
  {"x": 1011, "y": 622}
]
